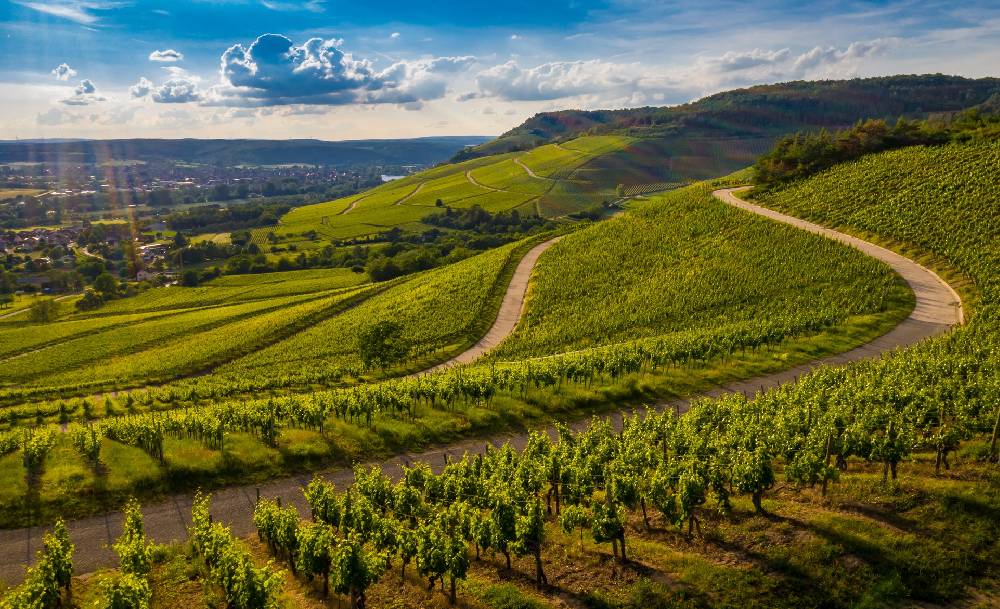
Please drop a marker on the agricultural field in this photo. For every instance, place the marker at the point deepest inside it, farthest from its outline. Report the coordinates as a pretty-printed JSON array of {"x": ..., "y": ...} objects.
[
  {"x": 607, "y": 518},
  {"x": 13, "y": 193},
  {"x": 867, "y": 485},
  {"x": 165, "y": 332},
  {"x": 685, "y": 260},
  {"x": 231, "y": 289},
  {"x": 439, "y": 309},
  {"x": 497, "y": 183}
]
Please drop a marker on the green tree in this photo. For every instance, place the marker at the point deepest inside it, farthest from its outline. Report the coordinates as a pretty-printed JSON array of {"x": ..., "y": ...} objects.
[
  {"x": 106, "y": 285},
  {"x": 190, "y": 278},
  {"x": 382, "y": 345},
  {"x": 91, "y": 300},
  {"x": 43, "y": 310}
]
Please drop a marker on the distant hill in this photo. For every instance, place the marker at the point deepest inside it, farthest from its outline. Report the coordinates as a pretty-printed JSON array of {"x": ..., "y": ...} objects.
[
  {"x": 419, "y": 151},
  {"x": 723, "y": 132}
]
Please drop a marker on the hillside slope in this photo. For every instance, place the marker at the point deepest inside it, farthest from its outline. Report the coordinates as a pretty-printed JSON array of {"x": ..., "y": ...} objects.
[{"x": 726, "y": 131}]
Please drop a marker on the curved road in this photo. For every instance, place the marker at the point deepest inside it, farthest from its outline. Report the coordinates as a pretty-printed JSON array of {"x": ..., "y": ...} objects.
[
  {"x": 937, "y": 309},
  {"x": 511, "y": 309},
  {"x": 530, "y": 172},
  {"x": 474, "y": 182}
]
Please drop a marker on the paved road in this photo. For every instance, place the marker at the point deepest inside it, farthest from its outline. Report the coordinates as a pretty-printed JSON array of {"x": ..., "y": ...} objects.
[{"x": 937, "y": 309}]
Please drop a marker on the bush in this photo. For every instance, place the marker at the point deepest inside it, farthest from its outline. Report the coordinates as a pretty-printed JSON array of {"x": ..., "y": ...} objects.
[{"x": 43, "y": 310}]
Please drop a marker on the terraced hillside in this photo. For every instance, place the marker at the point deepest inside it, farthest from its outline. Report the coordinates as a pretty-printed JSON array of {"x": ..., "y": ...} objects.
[{"x": 544, "y": 180}]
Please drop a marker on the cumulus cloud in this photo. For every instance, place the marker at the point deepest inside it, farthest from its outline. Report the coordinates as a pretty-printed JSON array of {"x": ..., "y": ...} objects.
[
  {"x": 394, "y": 35},
  {"x": 166, "y": 55},
  {"x": 555, "y": 80},
  {"x": 177, "y": 90},
  {"x": 732, "y": 60},
  {"x": 596, "y": 82},
  {"x": 141, "y": 89},
  {"x": 820, "y": 57},
  {"x": 84, "y": 94},
  {"x": 274, "y": 71},
  {"x": 63, "y": 72}
]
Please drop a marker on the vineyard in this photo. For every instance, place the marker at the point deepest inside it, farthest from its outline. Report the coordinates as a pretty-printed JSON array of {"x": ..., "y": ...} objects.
[
  {"x": 866, "y": 485},
  {"x": 634, "y": 277},
  {"x": 496, "y": 183},
  {"x": 783, "y": 479},
  {"x": 218, "y": 428}
]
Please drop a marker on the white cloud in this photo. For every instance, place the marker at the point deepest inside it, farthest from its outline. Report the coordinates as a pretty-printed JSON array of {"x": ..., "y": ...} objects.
[
  {"x": 78, "y": 11},
  {"x": 166, "y": 55},
  {"x": 732, "y": 61},
  {"x": 555, "y": 80},
  {"x": 176, "y": 91},
  {"x": 313, "y": 6},
  {"x": 274, "y": 71},
  {"x": 84, "y": 94},
  {"x": 825, "y": 58},
  {"x": 515, "y": 37},
  {"x": 394, "y": 35},
  {"x": 596, "y": 83},
  {"x": 141, "y": 89},
  {"x": 63, "y": 72}
]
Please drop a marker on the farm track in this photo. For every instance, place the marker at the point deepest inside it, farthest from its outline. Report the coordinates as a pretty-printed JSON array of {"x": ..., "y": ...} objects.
[
  {"x": 353, "y": 204},
  {"x": 412, "y": 194},
  {"x": 938, "y": 308},
  {"x": 510, "y": 313},
  {"x": 474, "y": 182},
  {"x": 530, "y": 172}
]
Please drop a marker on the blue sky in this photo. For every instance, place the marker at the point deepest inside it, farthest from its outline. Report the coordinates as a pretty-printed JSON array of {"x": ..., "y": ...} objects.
[{"x": 335, "y": 70}]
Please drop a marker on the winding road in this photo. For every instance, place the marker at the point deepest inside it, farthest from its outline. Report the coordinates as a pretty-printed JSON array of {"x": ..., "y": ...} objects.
[
  {"x": 511, "y": 310},
  {"x": 937, "y": 309},
  {"x": 530, "y": 172}
]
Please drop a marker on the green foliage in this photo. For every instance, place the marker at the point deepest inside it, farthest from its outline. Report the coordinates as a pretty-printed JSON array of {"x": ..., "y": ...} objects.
[
  {"x": 49, "y": 578},
  {"x": 134, "y": 552},
  {"x": 87, "y": 442},
  {"x": 382, "y": 344},
  {"x": 353, "y": 569},
  {"x": 43, "y": 310},
  {"x": 244, "y": 585},
  {"x": 35, "y": 447},
  {"x": 127, "y": 591},
  {"x": 804, "y": 154}
]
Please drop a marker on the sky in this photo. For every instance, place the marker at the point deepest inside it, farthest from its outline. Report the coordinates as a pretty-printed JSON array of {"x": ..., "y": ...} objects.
[{"x": 335, "y": 70}]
